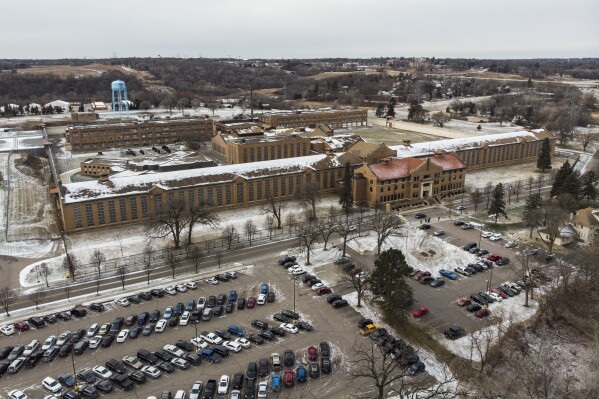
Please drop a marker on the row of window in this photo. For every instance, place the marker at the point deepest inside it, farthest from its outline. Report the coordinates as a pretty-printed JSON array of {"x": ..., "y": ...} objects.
[{"x": 98, "y": 218}]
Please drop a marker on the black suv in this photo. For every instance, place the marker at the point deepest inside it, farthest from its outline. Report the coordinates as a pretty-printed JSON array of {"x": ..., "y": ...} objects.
[
  {"x": 325, "y": 350},
  {"x": 78, "y": 312},
  {"x": 453, "y": 332},
  {"x": 98, "y": 307},
  {"x": 470, "y": 245},
  {"x": 252, "y": 372},
  {"x": 116, "y": 366},
  {"x": 34, "y": 359},
  {"x": 260, "y": 324},
  {"x": 147, "y": 356},
  {"x": 289, "y": 358},
  {"x": 36, "y": 322},
  {"x": 122, "y": 382},
  {"x": 237, "y": 382},
  {"x": 155, "y": 316}
]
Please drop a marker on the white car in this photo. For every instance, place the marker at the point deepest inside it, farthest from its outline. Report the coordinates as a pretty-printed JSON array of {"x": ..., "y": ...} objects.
[
  {"x": 94, "y": 342},
  {"x": 181, "y": 288},
  {"x": 201, "y": 302},
  {"x": 463, "y": 271},
  {"x": 31, "y": 347},
  {"x": 199, "y": 343},
  {"x": 191, "y": 285},
  {"x": 235, "y": 394},
  {"x": 133, "y": 362},
  {"x": 231, "y": 275},
  {"x": 317, "y": 286},
  {"x": 173, "y": 350},
  {"x": 151, "y": 371},
  {"x": 51, "y": 385},
  {"x": 496, "y": 237},
  {"x": 439, "y": 233},
  {"x": 170, "y": 290},
  {"x": 102, "y": 372},
  {"x": 184, "y": 318},
  {"x": 511, "y": 244},
  {"x": 160, "y": 326},
  {"x": 212, "y": 338},
  {"x": 212, "y": 281},
  {"x": 92, "y": 330},
  {"x": 486, "y": 234},
  {"x": 196, "y": 388},
  {"x": 180, "y": 394},
  {"x": 495, "y": 296},
  {"x": 244, "y": 342},
  {"x": 261, "y": 299},
  {"x": 122, "y": 337},
  {"x": 49, "y": 342},
  {"x": 104, "y": 329},
  {"x": 232, "y": 346},
  {"x": 124, "y": 302},
  {"x": 298, "y": 272},
  {"x": 223, "y": 385},
  {"x": 63, "y": 338},
  {"x": 290, "y": 328},
  {"x": 263, "y": 389},
  {"x": 16, "y": 394},
  {"x": 180, "y": 363},
  {"x": 8, "y": 329}
]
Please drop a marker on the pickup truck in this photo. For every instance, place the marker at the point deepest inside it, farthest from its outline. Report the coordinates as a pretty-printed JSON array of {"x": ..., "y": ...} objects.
[
  {"x": 210, "y": 389},
  {"x": 370, "y": 328}
]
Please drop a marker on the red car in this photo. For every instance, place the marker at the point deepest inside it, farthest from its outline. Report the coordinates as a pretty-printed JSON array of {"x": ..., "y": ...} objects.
[
  {"x": 22, "y": 326},
  {"x": 251, "y": 302},
  {"x": 289, "y": 379},
  {"x": 483, "y": 312},
  {"x": 419, "y": 275},
  {"x": 502, "y": 294},
  {"x": 323, "y": 291},
  {"x": 312, "y": 353},
  {"x": 420, "y": 312},
  {"x": 494, "y": 257}
]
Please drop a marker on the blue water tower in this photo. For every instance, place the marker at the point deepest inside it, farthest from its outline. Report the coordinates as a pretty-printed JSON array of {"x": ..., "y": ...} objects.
[{"x": 120, "y": 102}]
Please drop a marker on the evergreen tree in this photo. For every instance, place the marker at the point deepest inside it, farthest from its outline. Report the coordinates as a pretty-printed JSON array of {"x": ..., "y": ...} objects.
[
  {"x": 391, "y": 110},
  {"x": 560, "y": 177},
  {"x": 414, "y": 111},
  {"x": 388, "y": 283},
  {"x": 587, "y": 183},
  {"x": 533, "y": 212},
  {"x": 497, "y": 206},
  {"x": 346, "y": 199},
  {"x": 380, "y": 110},
  {"x": 544, "y": 161},
  {"x": 81, "y": 109}
]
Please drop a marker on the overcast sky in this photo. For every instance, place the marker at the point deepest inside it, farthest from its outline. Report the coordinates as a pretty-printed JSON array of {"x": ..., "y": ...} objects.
[{"x": 299, "y": 28}]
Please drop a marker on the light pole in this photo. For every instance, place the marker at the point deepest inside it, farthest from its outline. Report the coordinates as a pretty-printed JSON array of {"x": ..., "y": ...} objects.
[
  {"x": 294, "y": 293},
  {"x": 76, "y": 387},
  {"x": 480, "y": 237}
]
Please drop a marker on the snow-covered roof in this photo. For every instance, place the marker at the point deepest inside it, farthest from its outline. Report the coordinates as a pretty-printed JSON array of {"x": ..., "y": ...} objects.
[
  {"x": 129, "y": 182},
  {"x": 449, "y": 145}
]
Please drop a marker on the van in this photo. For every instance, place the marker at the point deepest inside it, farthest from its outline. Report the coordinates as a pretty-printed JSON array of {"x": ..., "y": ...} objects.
[
  {"x": 80, "y": 347},
  {"x": 143, "y": 318},
  {"x": 207, "y": 314},
  {"x": 147, "y": 356},
  {"x": 116, "y": 325}
]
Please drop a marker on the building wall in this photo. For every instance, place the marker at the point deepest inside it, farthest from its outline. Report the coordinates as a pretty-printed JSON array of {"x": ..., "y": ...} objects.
[
  {"x": 136, "y": 134},
  {"x": 95, "y": 169},
  {"x": 239, "y": 151},
  {"x": 334, "y": 119},
  {"x": 479, "y": 158},
  {"x": 134, "y": 208}
]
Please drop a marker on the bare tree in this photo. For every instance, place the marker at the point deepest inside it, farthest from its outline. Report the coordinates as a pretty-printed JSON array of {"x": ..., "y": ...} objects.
[
  {"x": 439, "y": 118},
  {"x": 229, "y": 234},
  {"x": 488, "y": 190},
  {"x": 71, "y": 265},
  {"x": 250, "y": 230},
  {"x": 98, "y": 280},
  {"x": 45, "y": 273},
  {"x": 585, "y": 138},
  {"x": 67, "y": 291},
  {"x": 196, "y": 257},
  {"x": 385, "y": 225},
  {"x": 307, "y": 235},
  {"x": 274, "y": 208},
  {"x": 291, "y": 221},
  {"x": 540, "y": 180},
  {"x": 344, "y": 229},
  {"x": 121, "y": 271},
  {"x": 310, "y": 196},
  {"x": 219, "y": 257},
  {"x": 147, "y": 259},
  {"x": 8, "y": 296},
  {"x": 119, "y": 238},
  {"x": 37, "y": 297},
  {"x": 359, "y": 283},
  {"x": 531, "y": 182},
  {"x": 326, "y": 226},
  {"x": 517, "y": 188},
  {"x": 269, "y": 225},
  {"x": 555, "y": 219},
  {"x": 200, "y": 214},
  {"x": 171, "y": 259},
  {"x": 525, "y": 261},
  {"x": 97, "y": 259},
  {"x": 476, "y": 198},
  {"x": 170, "y": 220}
]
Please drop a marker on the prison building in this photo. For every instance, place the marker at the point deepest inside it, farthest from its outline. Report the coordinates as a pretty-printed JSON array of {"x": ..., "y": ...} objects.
[
  {"x": 130, "y": 197},
  {"x": 333, "y": 118},
  {"x": 261, "y": 147},
  {"x": 399, "y": 181},
  {"x": 484, "y": 151},
  {"x": 135, "y": 134}
]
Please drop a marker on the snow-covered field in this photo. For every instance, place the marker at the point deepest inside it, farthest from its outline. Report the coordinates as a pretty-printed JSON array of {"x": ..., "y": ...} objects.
[{"x": 415, "y": 240}]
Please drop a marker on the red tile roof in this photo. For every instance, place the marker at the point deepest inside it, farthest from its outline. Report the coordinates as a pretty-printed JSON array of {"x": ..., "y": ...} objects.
[
  {"x": 447, "y": 161},
  {"x": 395, "y": 168}
]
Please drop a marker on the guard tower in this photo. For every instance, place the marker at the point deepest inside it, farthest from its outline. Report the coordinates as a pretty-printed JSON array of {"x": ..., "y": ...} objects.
[{"x": 120, "y": 102}]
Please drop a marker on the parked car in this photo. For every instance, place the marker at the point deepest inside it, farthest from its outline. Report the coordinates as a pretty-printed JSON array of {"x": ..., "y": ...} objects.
[
  {"x": 454, "y": 332},
  {"x": 448, "y": 274},
  {"x": 420, "y": 312}
]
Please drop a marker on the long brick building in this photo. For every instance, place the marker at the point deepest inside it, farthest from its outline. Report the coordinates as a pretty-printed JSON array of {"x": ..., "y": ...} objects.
[{"x": 334, "y": 118}]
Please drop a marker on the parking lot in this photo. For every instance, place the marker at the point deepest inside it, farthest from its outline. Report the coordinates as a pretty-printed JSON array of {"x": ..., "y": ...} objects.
[{"x": 335, "y": 326}]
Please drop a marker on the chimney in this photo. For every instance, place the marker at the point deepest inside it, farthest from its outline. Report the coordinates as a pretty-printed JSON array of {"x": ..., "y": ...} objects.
[
  {"x": 105, "y": 181},
  {"x": 407, "y": 142}
]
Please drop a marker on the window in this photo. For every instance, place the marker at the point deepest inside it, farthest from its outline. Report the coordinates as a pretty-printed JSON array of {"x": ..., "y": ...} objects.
[
  {"x": 245, "y": 155},
  {"x": 278, "y": 151},
  {"x": 290, "y": 185},
  {"x": 251, "y": 190},
  {"x": 272, "y": 152},
  {"x": 101, "y": 219},
  {"x": 259, "y": 189},
  {"x": 332, "y": 179},
  {"x": 318, "y": 180},
  {"x": 133, "y": 205},
  {"x": 144, "y": 206},
  {"x": 259, "y": 153},
  {"x": 77, "y": 214},
  {"x": 200, "y": 196},
  {"x": 285, "y": 151},
  {"x": 283, "y": 187},
  {"x": 298, "y": 182},
  {"x": 228, "y": 194},
  {"x": 171, "y": 197},
  {"x": 111, "y": 211},
  {"x": 219, "y": 195},
  {"x": 181, "y": 196},
  {"x": 240, "y": 193},
  {"x": 191, "y": 197},
  {"x": 123, "y": 209},
  {"x": 275, "y": 187},
  {"x": 267, "y": 188},
  {"x": 252, "y": 155},
  {"x": 210, "y": 196},
  {"x": 89, "y": 214}
]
